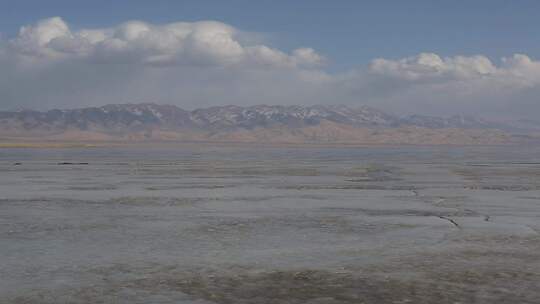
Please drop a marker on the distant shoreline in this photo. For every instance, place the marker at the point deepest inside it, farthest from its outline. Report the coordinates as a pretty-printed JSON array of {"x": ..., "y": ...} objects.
[{"x": 105, "y": 144}]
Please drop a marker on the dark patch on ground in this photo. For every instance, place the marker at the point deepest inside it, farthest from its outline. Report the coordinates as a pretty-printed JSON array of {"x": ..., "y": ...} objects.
[
  {"x": 305, "y": 286},
  {"x": 347, "y": 187},
  {"x": 404, "y": 212}
]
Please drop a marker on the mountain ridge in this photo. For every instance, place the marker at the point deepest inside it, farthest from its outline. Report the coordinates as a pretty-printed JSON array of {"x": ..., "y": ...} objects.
[
  {"x": 229, "y": 114},
  {"x": 327, "y": 123}
]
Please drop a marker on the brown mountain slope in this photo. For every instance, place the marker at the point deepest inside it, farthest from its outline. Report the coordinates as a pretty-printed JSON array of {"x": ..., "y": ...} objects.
[
  {"x": 324, "y": 133},
  {"x": 330, "y": 124}
]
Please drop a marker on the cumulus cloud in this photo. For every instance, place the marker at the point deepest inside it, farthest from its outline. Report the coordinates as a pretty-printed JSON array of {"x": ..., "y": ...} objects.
[
  {"x": 518, "y": 70},
  {"x": 430, "y": 66},
  {"x": 50, "y": 64},
  {"x": 181, "y": 43},
  {"x": 191, "y": 64},
  {"x": 464, "y": 83}
]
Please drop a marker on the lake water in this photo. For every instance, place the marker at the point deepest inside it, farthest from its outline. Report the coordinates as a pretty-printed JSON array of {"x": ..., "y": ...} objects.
[{"x": 212, "y": 224}]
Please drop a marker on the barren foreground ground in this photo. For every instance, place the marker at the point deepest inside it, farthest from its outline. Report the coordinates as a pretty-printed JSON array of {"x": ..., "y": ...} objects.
[{"x": 253, "y": 225}]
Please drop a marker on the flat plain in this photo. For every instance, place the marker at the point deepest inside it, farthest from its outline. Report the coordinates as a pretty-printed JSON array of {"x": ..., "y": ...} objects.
[{"x": 223, "y": 224}]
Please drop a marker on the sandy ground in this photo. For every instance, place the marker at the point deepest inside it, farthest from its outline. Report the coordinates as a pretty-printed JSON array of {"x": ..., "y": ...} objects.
[{"x": 287, "y": 225}]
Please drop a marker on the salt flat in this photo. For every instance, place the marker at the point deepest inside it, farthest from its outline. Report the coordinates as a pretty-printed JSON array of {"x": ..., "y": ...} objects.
[{"x": 213, "y": 224}]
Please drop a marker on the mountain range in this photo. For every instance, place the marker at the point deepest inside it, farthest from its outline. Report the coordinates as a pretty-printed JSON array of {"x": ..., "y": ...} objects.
[{"x": 260, "y": 123}]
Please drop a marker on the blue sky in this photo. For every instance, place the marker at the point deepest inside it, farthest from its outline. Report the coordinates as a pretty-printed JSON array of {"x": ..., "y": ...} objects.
[
  {"x": 426, "y": 57},
  {"x": 348, "y": 32}
]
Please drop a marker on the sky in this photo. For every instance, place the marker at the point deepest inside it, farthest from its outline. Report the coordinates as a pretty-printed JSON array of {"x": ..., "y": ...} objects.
[{"x": 424, "y": 57}]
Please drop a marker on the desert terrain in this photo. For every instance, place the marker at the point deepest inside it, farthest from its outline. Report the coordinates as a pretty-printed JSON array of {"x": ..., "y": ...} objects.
[{"x": 242, "y": 224}]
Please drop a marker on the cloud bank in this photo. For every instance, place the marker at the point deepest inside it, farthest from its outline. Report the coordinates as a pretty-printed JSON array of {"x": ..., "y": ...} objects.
[
  {"x": 198, "y": 43},
  {"x": 191, "y": 64},
  {"x": 461, "y": 83}
]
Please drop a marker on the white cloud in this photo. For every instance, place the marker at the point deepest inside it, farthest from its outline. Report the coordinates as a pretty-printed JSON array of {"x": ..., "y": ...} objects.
[
  {"x": 521, "y": 70},
  {"x": 50, "y": 64},
  {"x": 474, "y": 84},
  {"x": 182, "y": 43},
  {"x": 518, "y": 70},
  {"x": 35, "y": 40},
  {"x": 308, "y": 57},
  {"x": 430, "y": 66}
]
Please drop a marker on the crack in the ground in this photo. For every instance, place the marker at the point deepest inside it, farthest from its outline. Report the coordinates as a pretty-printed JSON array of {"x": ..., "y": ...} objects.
[{"x": 449, "y": 220}]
